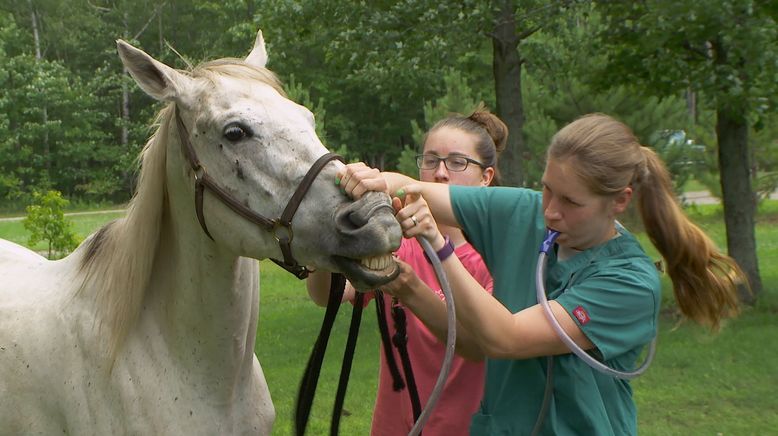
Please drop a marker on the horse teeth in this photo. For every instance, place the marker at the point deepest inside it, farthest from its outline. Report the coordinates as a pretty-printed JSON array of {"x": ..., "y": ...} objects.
[{"x": 376, "y": 262}]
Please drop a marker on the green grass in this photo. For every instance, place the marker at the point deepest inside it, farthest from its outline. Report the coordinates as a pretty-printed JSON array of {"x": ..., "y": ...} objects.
[
  {"x": 289, "y": 323},
  {"x": 717, "y": 384},
  {"x": 694, "y": 185},
  {"x": 83, "y": 226},
  {"x": 699, "y": 383},
  {"x": 712, "y": 385}
]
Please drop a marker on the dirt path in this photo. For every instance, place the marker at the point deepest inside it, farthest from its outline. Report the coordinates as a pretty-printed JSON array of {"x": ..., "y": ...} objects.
[
  {"x": 92, "y": 212},
  {"x": 699, "y": 197}
]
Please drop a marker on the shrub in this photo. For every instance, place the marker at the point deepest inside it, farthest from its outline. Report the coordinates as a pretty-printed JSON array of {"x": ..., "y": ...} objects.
[{"x": 46, "y": 222}]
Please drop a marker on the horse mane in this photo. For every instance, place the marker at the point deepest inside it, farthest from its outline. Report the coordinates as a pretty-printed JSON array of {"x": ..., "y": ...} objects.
[
  {"x": 238, "y": 69},
  {"x": 119, "y": 257},
  {"x": 118, "y": 260}
]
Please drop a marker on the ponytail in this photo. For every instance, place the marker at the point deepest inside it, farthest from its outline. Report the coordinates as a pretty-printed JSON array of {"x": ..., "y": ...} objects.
[
  {"x": 610, "y": 159},
  {"x": 705, "y": 281}
]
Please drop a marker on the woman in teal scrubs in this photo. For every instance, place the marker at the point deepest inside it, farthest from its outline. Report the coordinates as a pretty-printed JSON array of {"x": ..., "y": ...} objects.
[{"x": 603, "y": 289}]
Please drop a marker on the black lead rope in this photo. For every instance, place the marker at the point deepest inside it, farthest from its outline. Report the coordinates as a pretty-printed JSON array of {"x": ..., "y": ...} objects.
[
  {"x": 400, "y": 340},
  {"x": 397, "y": 379},
  {"x": 310, "y": 378},
  {"x": 348, "y": 358}
]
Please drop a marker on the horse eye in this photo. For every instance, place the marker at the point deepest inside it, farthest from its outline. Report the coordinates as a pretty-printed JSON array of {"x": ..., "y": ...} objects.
[{"x": 235, "y": 132}]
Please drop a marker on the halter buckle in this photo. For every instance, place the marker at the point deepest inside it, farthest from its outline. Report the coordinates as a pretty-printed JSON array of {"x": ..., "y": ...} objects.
[
  {"x": 286, "y": 235},
  {"x": 199, "y": 172}
]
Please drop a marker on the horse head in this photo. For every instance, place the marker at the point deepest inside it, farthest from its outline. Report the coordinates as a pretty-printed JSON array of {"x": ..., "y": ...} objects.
[{"x": 237, "y": 130}]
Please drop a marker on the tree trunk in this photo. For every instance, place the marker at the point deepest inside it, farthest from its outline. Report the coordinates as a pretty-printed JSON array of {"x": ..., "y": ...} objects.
[
  {"x": 44, "y": 109},
  {"x": 506, "y": 67},
  {"x": 737, "y": 192},
  {"x": 739, "y": 199},
  {"x": 125, "y": 135},
  {"x": 35, "y": 34},
  {"x": 691, "y": 104}
]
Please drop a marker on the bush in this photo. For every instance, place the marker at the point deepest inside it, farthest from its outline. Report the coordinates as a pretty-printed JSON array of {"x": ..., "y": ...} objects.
[{"x": 46, "y": 222}]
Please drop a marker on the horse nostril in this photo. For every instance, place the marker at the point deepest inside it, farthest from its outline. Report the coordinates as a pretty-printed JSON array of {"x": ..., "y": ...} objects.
[
  {"x": 346, "y": 220},
  {"x": 357, "y": 215}
]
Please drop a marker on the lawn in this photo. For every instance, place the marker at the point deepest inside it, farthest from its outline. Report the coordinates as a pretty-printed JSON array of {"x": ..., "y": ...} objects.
[
  {"x": 699, "y": 383},
  {"x": 83, "y": 225}
]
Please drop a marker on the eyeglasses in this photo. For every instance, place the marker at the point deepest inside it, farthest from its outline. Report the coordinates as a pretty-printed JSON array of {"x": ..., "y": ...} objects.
[{"x": 453, "y": 163}]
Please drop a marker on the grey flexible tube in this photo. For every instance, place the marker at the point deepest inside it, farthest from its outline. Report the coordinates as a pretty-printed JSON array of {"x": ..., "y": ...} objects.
[
  {"x": 540, "y": 287},
  {"x": 451, "y": 337}
]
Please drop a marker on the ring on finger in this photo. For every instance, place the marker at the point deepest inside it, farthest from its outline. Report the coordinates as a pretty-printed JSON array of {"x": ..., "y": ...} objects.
[{"x": 415, "y": 221}]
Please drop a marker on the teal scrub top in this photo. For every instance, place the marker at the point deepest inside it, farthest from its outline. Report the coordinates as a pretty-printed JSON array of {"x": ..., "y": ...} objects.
[{"x": 612, "y": 291}]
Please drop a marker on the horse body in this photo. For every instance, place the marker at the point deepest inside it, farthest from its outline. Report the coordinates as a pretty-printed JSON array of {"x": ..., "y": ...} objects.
[
  {"x": 166, "y": 380},
  {"x": 149, "y": 326}
]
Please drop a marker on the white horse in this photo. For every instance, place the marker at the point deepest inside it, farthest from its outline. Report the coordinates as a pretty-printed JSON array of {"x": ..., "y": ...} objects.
[{"x": 148, "y": 328}]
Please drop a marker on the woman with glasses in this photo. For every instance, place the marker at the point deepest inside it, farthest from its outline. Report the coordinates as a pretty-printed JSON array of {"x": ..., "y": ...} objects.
[
  {"x": 601, "y": 287},
  {"x": 458, "y": 150}
]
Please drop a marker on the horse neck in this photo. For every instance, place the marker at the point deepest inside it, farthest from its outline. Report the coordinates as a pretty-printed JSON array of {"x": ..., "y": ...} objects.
[{"x": 203, "y": 299}]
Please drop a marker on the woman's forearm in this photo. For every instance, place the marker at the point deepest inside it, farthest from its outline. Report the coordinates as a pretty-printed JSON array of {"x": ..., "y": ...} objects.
[
  {"x": 489, "y": 324},
  {"x": 318, "y": 284},
  {"x": 432, "y": 311}
]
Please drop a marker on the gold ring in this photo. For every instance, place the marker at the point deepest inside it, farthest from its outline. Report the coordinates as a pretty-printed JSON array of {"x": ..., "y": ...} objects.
[{"x": 415, "y": 221}]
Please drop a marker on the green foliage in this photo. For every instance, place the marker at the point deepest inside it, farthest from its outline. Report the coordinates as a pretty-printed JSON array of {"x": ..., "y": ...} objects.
[
  {"x": 300, "y": 94},
  {"x": 371, "y": 72},
  {"x": 53, "y": 121},
  {"x": 704, "y": 133},
  {"x": 560, "y": 85},
  {"x": 683, "y": 157},
  {"x": 406, "y": 164},
  {"x": 46, "y": 222},
  {"x": 652, "y": 119},
  {"x": 459, "y": 98},
  {"x": 726, "y": 49},
  {"x": 373, "y": 63},
  {"x": 763, "y": 140}
]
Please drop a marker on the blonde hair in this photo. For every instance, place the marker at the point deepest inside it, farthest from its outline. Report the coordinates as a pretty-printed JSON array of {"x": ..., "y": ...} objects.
[
  {"x": 609, "y": 159},
  {"x": 490, "y": 131}
]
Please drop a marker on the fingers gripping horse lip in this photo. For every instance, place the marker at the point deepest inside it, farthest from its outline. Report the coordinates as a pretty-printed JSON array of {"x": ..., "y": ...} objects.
[{"x": 367, "y": 264}]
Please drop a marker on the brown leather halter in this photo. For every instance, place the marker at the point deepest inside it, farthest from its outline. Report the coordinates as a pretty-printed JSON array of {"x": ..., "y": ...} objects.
[{"x": 281, "y": 227}]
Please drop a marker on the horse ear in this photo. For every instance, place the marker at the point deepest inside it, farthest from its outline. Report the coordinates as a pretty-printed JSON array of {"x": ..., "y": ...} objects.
[
  {"x": 155, "y": 78},
  {"x": 258, "y": 55}
]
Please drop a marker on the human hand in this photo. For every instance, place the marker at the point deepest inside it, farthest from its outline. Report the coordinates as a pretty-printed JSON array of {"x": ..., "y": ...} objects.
[
  {"x": 415, "y": 217},
  {"x": 356, "y": 179},
  {"x": 405, "y": 284}
]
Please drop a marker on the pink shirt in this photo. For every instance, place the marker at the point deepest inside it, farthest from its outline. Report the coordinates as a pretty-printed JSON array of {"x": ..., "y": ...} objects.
[{"x": 393, "y": 415}]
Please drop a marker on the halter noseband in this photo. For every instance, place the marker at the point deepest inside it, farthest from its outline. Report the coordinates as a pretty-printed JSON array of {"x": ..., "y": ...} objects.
[{"x": 281, "y": 227}]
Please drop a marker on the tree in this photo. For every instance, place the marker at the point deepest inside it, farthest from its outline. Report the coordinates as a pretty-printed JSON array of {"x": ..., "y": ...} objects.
[
  {"x": 513, "y": 24},
  {"x": 458, "y": 99},
  {"x": 374, "y": 64},
  {"x": 46, "y": 221},
  {"x": 725, "y": 51},
  {"x": 300, "y": 94},
  {"x": 563, "y": 62}
]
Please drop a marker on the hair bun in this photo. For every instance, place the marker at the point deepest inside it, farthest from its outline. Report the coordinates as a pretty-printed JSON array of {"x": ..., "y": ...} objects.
[{"x": 493, "y": 125}]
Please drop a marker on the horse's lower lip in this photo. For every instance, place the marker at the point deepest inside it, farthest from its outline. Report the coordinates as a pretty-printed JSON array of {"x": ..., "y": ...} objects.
[{"x": 362, "y": 277}]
